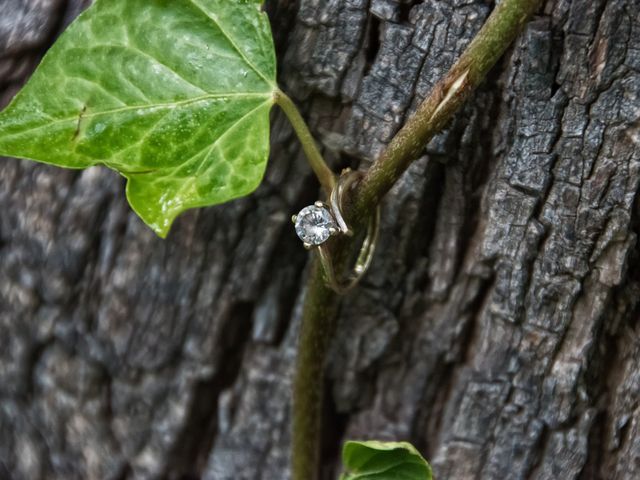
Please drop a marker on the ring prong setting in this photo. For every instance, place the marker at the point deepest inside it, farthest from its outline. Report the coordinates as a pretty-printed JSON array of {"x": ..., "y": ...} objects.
[{"x": 315, "y": 224}]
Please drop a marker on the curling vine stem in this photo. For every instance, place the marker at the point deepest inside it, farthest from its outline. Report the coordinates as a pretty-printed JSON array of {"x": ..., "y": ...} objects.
[{"x": 321, "y": 304}]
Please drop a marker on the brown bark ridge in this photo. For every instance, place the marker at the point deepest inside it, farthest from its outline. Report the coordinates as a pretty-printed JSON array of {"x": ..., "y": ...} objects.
[{"x": 498, "y": 329}]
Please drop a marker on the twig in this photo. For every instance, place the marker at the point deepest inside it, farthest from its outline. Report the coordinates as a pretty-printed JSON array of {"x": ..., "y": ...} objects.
[
  {"x": 321, "y": 303},
  {"x": 448, "y": 95},
  {"x": 319, "y": 316}
]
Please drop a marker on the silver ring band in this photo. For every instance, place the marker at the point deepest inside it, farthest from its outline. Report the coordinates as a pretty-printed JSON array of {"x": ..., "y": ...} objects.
[{"x": 365, "y": 256}]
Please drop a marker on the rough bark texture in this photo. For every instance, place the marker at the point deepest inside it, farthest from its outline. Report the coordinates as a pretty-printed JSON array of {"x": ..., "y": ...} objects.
[{"x": 498, "y": 329}]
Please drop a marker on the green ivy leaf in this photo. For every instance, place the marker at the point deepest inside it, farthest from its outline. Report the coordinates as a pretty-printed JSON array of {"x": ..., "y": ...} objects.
[
  {"x": 375, "y": 460},
  {"x": 173, "y": 94}
]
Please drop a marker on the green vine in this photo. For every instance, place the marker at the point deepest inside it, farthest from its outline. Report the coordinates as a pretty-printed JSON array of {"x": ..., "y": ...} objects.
[{"x": 321, "y": 303}]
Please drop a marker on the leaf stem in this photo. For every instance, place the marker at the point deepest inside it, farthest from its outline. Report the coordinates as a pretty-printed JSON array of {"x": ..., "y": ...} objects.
[
  {"x": 321, "y": 303},
  {"x": 325, "y": 176}
]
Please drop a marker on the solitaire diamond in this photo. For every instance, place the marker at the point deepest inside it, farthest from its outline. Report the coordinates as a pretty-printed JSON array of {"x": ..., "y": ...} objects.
[{"x": 314, "y": 224}]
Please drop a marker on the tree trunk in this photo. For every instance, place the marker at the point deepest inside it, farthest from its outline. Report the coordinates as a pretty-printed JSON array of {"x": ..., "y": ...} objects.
[{"x": 497, "y": 330}]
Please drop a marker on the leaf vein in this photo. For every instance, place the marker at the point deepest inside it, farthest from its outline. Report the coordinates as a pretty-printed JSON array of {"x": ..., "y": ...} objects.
[
  {"x": 138, "y": 143},
  {"x": 215, "y": 142},
  {"x": 154, "y": 59},
  {"x": 141, "y": 107},
  {"x": 231, "y": 41},
  {"x": 98, "y": 87}
]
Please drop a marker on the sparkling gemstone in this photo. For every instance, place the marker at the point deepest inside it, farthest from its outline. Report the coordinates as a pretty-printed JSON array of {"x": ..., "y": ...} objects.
[{"x": 314, "y": 224}]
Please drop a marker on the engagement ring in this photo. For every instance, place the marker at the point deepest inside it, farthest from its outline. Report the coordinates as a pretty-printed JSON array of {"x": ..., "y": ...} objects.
[{"x": 317, "y": 223}]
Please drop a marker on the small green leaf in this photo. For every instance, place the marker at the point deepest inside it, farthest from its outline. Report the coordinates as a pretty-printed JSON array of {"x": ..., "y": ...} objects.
[
  {"x": 173, "y": 94},
  {"x": 375, "y": 460}
]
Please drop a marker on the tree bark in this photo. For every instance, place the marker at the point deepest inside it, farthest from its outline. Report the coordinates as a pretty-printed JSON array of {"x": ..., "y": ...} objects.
[{"x": 497, "y": 330}]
